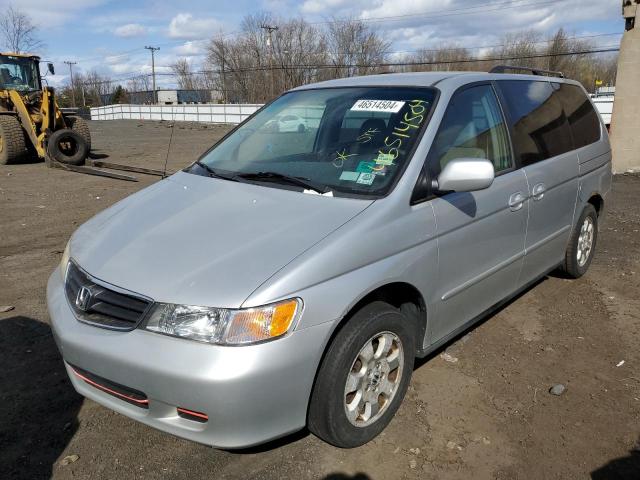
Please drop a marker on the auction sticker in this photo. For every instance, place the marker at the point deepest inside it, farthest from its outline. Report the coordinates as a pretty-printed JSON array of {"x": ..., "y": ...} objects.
[
  {"x": 378, "y": 106},
  {"x": 366, "y": 178}
]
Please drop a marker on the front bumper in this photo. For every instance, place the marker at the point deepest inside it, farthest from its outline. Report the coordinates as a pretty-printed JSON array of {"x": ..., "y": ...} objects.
[{"x": 250, "y": 394}]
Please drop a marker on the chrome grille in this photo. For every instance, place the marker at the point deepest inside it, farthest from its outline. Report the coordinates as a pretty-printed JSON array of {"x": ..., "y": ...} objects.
[{"x": 100, "y": 305}]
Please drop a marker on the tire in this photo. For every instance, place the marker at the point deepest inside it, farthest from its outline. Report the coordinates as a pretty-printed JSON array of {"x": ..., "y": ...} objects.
[
  {"x": 301, "y": 128},
  {"x": 345, "y": 359},
  {"x": 68, "y": 147},
  {"x": 12, "y": 140},
  {"x": 582, "y": 243},
  {"x": 80, "y": 126}
]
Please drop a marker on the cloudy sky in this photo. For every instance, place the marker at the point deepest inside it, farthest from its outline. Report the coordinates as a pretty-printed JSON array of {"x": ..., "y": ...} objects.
[{"x": 110, "y": 35}]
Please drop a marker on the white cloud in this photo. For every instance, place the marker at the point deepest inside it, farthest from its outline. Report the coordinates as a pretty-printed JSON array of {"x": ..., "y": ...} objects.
[
  {"x": 415, "y": 24},
  {"x": 190, "y": 49},
  {"x": 185, "y": 26},
  {"x": 46, "y": 13},
  {"x": 324, "y": 6},
  {"x": 130, "y": 30}
]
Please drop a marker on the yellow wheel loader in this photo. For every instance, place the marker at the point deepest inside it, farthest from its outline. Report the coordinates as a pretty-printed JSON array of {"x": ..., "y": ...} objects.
[{"x": 31, "y": 124}]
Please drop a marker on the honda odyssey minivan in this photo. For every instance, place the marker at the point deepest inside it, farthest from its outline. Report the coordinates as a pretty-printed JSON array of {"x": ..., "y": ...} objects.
[{"x": 289, "y": 278}]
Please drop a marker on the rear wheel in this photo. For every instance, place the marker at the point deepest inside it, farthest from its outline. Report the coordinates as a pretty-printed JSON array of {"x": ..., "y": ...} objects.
[
  {"x": 582, "y": 243},
  {"x": 363, "y": 377},
  {"x": 68, "y": 147},
  {"x": 12, "y": 141},
  {"x": 80, "y": 126}
]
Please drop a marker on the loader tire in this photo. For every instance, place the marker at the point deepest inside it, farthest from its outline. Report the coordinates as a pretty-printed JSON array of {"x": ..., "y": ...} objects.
[
  {"x": 68, "y": 147},
  {"x": 12, "y": 141},
  {"x": 80, "y": 126}
]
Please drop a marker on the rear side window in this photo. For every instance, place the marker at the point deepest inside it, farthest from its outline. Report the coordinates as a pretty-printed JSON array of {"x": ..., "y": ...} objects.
[
  {"x": 584, "y": 121},
  {"x": 472, "y": 127},
  {"x": 540, "y": 127}
]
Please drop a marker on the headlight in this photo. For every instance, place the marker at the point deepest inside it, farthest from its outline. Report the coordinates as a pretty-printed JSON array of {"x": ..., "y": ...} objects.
[
  {"x": 64, "y": 260},
  {"x": 224, "y": 326}
]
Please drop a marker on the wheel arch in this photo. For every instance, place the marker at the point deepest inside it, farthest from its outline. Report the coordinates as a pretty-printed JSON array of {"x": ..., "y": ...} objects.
[
  {"x": 597, "y": 201},
  {"x": 402, "y": 295}
]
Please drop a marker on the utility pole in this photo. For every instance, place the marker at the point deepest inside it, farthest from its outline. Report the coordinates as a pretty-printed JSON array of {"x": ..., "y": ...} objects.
[
  {"x": 73, "y": 89},
  {"x": 224, "y": 86},
  {"x": 270, "y": 29},
  {"x": 153, "y": 71}
]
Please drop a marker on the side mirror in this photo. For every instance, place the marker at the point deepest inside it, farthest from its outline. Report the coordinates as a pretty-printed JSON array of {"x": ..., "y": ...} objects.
[
  {"x": 52, "y": 70},
  {"x": 465, "y": 175}
]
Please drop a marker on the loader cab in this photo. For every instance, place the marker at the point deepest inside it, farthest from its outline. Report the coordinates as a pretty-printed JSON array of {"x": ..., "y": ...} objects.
[{"x": 19, "y": 72}]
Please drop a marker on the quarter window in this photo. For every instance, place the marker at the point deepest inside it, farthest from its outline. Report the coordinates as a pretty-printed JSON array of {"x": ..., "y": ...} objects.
[
  {"x": 583, "y": 119},
  {"x": 540, "y": 126},
  {"x": 473, "y": 127}
]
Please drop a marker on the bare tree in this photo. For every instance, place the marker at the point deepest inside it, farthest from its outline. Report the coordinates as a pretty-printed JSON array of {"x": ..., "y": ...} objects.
[
  {"x": 181, "y": 68},
  {"x": 243, "y": 68},
  {"x": 448, "y": 57},
  {"x": 139, "y": 83},
  {"x": 354, "y": 47},
  {"x": 298, "y": 48},
  {"x": 18, "y": 32}
]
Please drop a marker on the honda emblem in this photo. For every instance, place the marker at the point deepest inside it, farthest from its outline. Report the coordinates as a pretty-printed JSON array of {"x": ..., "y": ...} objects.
[{"x": 83, "y": 299}]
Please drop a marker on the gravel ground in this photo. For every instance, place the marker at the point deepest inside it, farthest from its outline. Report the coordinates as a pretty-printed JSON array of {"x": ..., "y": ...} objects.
[{"x": 479, "y": 409}]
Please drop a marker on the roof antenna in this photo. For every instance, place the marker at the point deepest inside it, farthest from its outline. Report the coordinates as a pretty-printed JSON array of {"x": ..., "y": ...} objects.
[{"x": 166, "y": 159}]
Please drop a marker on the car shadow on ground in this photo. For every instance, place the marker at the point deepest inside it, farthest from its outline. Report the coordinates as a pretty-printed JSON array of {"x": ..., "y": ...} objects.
[
  {"x": 623, "y": 468},
  {"x": 38, "y": 405}
]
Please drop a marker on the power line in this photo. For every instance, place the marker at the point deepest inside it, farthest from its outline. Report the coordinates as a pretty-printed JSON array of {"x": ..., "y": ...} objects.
[
  {"x": 477, "y": 47},
  {"x": 482, "y": 8},
  {"x": 133, "y": 75},
  {"x": 404, "y": 64}
]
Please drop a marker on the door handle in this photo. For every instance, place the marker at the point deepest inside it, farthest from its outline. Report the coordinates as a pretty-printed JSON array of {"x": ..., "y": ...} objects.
[
  {"x": 516, "y": 201},
  {"x": 538, "y": 191}
]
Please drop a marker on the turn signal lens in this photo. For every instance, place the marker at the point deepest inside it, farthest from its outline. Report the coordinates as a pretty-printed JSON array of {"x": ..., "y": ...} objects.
[{"x": 263, "y": 323}]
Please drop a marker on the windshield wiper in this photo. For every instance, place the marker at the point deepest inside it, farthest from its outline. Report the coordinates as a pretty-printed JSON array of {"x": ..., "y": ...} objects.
[
  {"x": 282, "y": 178},
  {"x": 215, "y": 173}
]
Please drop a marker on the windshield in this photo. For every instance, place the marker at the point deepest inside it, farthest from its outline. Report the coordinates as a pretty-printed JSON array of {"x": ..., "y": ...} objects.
[
  {"x": 17, "y": 73},
  {"x": 352, "y": 141}
]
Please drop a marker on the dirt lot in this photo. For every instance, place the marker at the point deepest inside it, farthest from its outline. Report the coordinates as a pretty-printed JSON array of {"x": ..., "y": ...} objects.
[{"x": 488, "y": 415}]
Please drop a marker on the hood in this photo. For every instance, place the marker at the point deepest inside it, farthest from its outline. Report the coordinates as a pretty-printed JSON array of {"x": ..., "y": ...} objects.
[{"x": 203, "y": 241}]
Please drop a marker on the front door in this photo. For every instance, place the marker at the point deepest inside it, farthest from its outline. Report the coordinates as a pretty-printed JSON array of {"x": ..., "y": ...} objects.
[{"x": 481, "y": 234}]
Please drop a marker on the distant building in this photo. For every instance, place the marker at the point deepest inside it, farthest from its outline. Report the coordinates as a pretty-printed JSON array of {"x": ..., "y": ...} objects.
[
  {"x": 605, "y": 92},
  {"x": 168, "y": 97}
]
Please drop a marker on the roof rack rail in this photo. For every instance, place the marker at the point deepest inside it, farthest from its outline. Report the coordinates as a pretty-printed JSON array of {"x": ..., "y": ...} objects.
[{"x": 533, "y": 71}]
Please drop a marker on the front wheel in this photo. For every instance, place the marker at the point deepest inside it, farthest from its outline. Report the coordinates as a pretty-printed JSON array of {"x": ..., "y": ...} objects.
[
  {"x": 363, "y": 376},
  {"x": 582, "y": 243}
]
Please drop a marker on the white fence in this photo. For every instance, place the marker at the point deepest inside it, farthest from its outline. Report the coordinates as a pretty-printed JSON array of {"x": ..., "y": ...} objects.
[
  {"x": 212, "y": 113},
  {"x": 604, "y": 105}
]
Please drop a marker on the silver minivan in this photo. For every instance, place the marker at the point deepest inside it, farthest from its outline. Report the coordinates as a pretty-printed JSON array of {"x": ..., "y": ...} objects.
[{"x": 291, "y": 276}]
